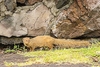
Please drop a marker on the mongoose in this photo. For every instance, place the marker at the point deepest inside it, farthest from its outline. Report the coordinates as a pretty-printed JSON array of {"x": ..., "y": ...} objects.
[{"x": 49, "y": 41}]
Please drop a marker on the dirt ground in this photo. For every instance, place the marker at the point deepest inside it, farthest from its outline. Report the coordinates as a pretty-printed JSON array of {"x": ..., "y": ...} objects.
[
  {"x": 14, "y": 57},
  {"x": 19, "y": 58}
]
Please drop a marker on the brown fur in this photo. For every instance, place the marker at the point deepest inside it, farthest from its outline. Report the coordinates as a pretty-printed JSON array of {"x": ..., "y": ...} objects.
[{"x": 48, "y": 41}]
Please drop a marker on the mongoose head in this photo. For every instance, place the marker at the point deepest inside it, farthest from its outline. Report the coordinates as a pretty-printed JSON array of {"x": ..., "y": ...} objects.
[{"x": 26, "y": 41}]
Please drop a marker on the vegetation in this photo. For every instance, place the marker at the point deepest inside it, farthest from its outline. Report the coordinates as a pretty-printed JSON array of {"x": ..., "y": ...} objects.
[
  {"x": 67, "y": 55},
  {"x": 15, "y": 49},
  {"x": 82, "y": 55}
]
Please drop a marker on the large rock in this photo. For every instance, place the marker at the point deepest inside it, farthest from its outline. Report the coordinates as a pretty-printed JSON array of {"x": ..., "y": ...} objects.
[
  {"x": 10, "y": 41},
  {"x": 61, "y": 18},
  {"x": 79, "y": 20},
  {"x": 10, "y": 28},
  {"x": 36, "y": 19},
  {"x": 29, "y": 20}
]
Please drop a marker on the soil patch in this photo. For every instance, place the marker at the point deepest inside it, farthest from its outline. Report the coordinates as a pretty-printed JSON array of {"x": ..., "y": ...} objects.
[
  {"x": 60, "y": 65},
  {"x": 19, "y": 58}
]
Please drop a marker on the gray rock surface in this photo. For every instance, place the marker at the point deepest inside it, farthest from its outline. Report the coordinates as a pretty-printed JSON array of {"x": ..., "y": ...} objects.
[{"x": 62, "y": 18}]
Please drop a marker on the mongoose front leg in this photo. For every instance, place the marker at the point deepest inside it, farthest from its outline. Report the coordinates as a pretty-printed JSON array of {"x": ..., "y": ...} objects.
[{"x": 32, "y": 48}]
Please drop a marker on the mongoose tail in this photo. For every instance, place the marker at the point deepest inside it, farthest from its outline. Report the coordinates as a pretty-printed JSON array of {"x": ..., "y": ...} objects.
[{"x": 69, "y": 43}]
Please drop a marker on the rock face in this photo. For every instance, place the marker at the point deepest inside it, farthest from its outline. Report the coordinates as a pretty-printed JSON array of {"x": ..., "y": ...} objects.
[
  {"x": 35, "y": 18},
  {"x": 61, "y": 18},
  {"x": 79, "y": 20}
]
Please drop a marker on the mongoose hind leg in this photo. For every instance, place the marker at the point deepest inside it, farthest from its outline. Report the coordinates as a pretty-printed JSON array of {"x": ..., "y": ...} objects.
[{"x": 50, "y": 46}]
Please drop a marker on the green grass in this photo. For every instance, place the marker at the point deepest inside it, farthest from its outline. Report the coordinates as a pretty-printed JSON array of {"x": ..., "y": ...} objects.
[
  {"x": 15, "y": 49},
  {"x": 81, "y": 55}
]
